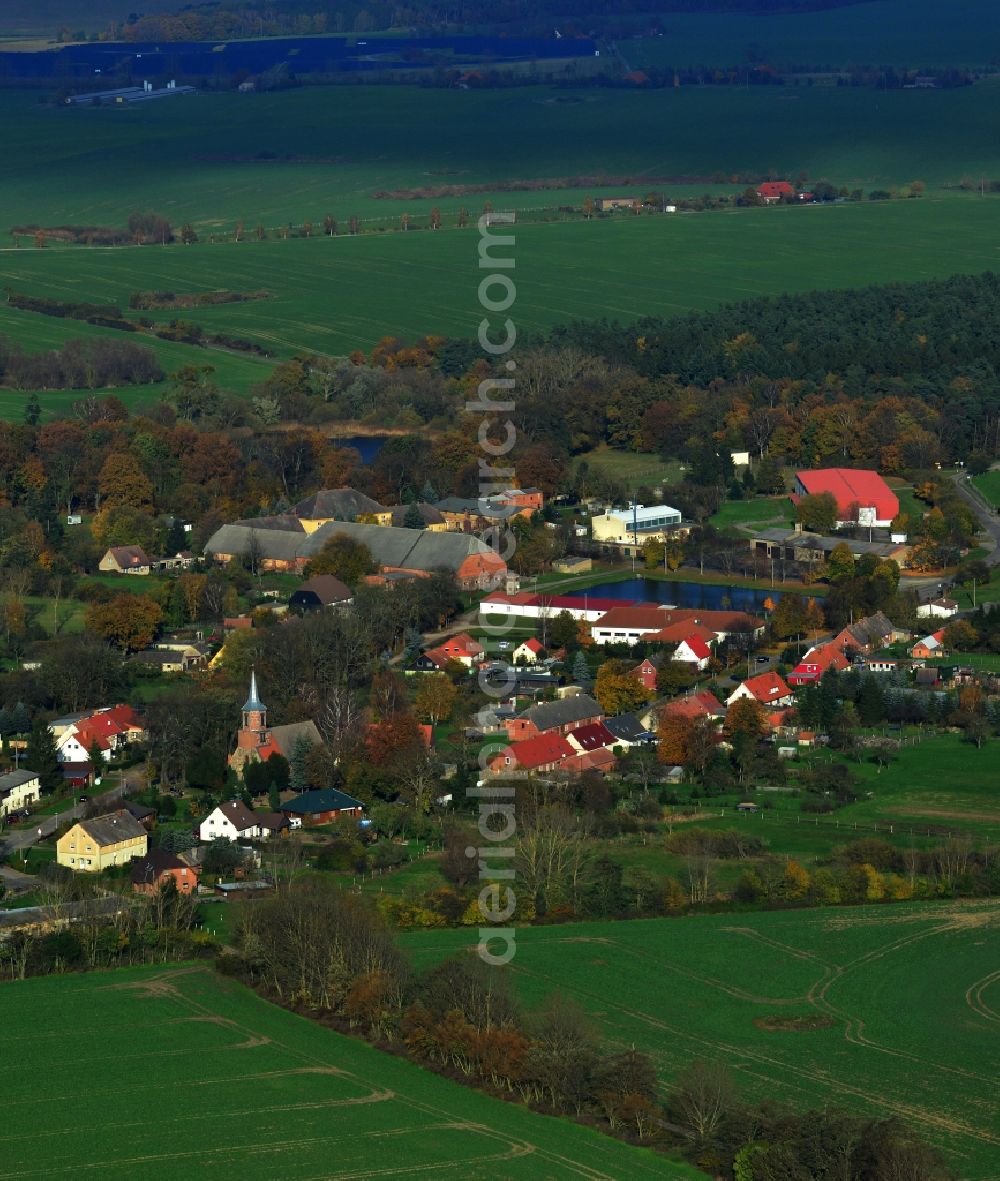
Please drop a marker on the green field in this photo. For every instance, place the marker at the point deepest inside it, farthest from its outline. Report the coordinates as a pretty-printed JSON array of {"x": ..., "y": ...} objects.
[
  {"x": 332, "y": 295},
  {"x": 300, "y": 154},
  {"x": 989, "y": 485},
  {"x": 914, "y": 33},
  {"x": 935, "y": 788},
  {"x": 759, "y": 512},
  {"x": 911, "y": 996},
  {"x": 179, "y": 1072}
]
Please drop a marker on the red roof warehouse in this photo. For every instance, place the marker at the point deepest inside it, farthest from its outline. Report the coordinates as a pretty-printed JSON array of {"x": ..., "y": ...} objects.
[{"x": 862, "y": 496}]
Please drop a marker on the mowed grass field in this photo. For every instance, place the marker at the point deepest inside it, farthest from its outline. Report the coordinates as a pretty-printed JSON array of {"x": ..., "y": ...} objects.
[
  {"x": 906, "y": 999},
  {"x": 913, "y": 33},
  {"x": 989, "y": 485},
  {"x": 179, "y": 1072},
  {"x": 300, "y": 154}
]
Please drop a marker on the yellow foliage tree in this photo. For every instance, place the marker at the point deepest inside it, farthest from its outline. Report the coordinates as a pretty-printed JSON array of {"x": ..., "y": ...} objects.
[
  {"x": 795, "y": 880},
  {"x": 617, "y": 690}
]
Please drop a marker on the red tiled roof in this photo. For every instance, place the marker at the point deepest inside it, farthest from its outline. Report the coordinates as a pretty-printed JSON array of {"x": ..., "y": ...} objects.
[
  {"x": 539, "y": 751},
  {"x": 767, "y": 687},
  {"x": 460, "y": 645},
  {"x": 816, "y": 662},
  {"x": 697, "y": 705},
  {"x": 593, "y": 737},
  {"x": 683, "y": 629},
  {"x": 852, "y": 486},
  {"x": 698, "y": 647},
  {"x": 776, "y": 188},
  {"x": 124, "y": 715}
]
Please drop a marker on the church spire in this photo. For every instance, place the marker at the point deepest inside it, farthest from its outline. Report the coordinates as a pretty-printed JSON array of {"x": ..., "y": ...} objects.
[{"x": 253, "y": 702}]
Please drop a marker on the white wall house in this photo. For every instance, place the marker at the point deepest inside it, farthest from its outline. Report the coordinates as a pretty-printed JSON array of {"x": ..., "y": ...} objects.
[
  {"x": 942, "y": 608},
  {"x": 69, "y": 749},
  {"x": 234, "y": 821}
]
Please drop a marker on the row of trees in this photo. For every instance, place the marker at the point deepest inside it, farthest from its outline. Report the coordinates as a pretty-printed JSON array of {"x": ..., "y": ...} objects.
[{"x": 322, "y": 951}]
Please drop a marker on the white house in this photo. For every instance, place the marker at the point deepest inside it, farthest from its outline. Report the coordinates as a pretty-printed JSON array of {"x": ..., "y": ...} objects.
[
  {"x": 17, "y": 790},
  {"x": 69, "y": 749},
  {"x": 234, "y": 821},
  {"x": 767, "y": 689},
  {"x": 694, "y": 651},
  {"x": 940, "y": 608}
]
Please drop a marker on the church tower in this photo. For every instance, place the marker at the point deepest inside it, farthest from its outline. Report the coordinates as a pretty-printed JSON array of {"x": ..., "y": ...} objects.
[{"x": 254, "y": 733}]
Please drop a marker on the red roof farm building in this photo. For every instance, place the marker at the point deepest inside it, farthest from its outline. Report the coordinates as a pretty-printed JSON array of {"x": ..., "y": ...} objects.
[{"x": 862, "y": 496}]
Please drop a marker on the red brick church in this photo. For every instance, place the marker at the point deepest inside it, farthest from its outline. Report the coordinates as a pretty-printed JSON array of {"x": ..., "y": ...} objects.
[{"x": 256, "y": 741}]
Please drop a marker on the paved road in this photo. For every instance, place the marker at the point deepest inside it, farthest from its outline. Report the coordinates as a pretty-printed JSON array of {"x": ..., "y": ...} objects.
[
  {"x": 989, "y": 521},
  {"x": 24, "y": 838}
]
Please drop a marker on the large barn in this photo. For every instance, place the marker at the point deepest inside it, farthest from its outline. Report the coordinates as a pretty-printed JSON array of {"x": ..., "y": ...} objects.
[
  {"x": 862, "y": 496},
  {"x": 475, "y": 564}
]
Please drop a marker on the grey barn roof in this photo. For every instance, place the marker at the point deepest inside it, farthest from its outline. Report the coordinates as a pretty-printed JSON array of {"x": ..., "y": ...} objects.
[
  {"x": 341, "y": 504},
  {"x": 813, "y": 541},
  {"x": 285, "y": 737},
  {"x": 411, "y": 549},
  {"x": 562, "y": 713}
]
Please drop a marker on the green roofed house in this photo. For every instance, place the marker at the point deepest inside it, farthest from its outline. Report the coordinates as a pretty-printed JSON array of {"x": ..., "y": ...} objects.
[{"x": 321, "y": 807}]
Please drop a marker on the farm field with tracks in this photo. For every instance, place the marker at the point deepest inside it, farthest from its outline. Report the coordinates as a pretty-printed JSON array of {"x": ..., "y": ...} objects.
[
  {"x": 332, "y": 295},
  {"x": 889, "y": 1010},
  {"x": 189, "y": 1074}
]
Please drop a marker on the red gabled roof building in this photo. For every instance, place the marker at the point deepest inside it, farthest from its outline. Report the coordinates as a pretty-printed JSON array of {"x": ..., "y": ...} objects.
[
  {"x": 816, "y": 662},
  {"x": 543, "y": 752},
  {"x": 768, "y": 689},
  {"x": 862, "y": 496},
  {"x": 462, "y": 648},
  {"x": 696, "y": 705},
  {"x": 772, "y": 191}
]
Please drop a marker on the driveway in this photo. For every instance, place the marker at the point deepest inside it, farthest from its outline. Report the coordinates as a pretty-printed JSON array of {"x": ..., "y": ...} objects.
[{"x": 45, "y": 826}]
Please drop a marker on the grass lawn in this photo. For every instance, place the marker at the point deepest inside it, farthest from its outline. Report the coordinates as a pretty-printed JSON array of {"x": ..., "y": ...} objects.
[
  {"x": 632, "y": 468},
  {"x": 990, "y": 661},
  {"x": 937, "y": 786},
  {"x": 909, "y": 504},
  {"x": 902, "y": 999},
  {"x": 760, "y": 512},
  {"x": 989, "y": 485},
  {"x": 241, "y": 1086},
  {"x": 64, "y": 618}
]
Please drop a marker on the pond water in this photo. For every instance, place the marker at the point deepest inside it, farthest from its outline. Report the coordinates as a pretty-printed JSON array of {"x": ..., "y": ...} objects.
[
  {"x": 701, "y": 595},
  {"x": 368, "y": 446}
]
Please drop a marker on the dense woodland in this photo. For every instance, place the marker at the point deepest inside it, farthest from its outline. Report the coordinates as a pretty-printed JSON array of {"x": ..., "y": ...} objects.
[{"x": 250, "y": 18}]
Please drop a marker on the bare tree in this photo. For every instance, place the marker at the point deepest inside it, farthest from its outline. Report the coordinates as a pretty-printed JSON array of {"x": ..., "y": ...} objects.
[{"x": 703, "y": 1097}]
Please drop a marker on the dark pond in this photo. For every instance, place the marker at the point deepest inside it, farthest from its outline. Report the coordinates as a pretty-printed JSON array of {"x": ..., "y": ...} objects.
[
  {"x": 367, "y": 445},
  {"x": 702, "y": 595}
]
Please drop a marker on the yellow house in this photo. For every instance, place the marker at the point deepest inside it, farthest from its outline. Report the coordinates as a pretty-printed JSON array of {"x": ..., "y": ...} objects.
[
  {"x": 395, "y": 517},
  {"x": 93, "y": 845},
  {"x": 334, "y": 504}
]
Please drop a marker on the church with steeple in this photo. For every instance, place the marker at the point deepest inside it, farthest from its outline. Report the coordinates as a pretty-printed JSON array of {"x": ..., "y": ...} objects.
[{"x": 256, "y": 741}]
